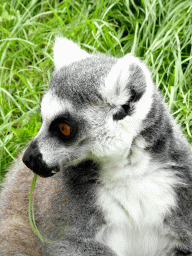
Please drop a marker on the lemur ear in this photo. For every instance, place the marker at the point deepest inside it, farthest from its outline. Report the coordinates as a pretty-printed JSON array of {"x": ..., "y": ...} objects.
[
  {"x": 126, "y": 84},
  {"x": 66, "y": 51}
]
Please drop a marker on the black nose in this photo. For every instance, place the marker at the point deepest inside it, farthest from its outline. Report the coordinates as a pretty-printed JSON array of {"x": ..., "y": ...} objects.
[{"x": 32, "y": 158}]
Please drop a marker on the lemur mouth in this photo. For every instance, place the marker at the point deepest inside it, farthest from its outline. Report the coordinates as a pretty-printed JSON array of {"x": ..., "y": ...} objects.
[
  {"x": 46, "y": 172},
  {"x": 49, "y": 172},
  {"x": 55, "y": 170}
]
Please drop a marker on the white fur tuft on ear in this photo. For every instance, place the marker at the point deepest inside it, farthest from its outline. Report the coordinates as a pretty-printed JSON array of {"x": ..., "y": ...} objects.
[
  {"x": 66, "y": 51},
  {"x": 127, "y": 77},
  {"x": 126, "y": 70}
]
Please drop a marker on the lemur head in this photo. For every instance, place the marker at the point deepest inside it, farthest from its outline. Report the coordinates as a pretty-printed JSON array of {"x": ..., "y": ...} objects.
[{"x": 93, "y": 109}]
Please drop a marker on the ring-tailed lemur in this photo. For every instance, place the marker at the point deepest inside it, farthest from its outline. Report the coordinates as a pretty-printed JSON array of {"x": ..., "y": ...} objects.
[{"x": 124, "y": 180}]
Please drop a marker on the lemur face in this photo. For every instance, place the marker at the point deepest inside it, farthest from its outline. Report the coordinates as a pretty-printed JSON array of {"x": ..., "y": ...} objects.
[{"x": 93, "y": 109}]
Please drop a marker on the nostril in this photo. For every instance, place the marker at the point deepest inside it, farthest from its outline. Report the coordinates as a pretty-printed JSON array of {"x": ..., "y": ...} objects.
[
  {"x": 27, "y": 160},
  {"x": 31, "y": 155}
]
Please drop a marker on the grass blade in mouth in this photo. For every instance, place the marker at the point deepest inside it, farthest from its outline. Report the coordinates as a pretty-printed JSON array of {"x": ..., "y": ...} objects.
[
  {"x": 31, "y": 209},
  {"x": 32, "y": 215}
]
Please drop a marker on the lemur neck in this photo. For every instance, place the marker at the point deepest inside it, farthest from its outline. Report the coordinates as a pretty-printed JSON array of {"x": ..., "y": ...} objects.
[{"x": 132, "y": 164}]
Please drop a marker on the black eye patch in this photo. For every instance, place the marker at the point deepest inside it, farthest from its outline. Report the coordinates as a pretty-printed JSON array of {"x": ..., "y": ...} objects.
[{"x": 64, "y": 128}]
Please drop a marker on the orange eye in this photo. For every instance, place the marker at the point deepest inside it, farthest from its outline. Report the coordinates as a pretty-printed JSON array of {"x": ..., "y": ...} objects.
[{"x": 65, "y": 129}]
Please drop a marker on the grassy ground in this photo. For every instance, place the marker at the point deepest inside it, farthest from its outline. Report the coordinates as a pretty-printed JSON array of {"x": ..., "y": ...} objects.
[{"x": 158, "y": 31}]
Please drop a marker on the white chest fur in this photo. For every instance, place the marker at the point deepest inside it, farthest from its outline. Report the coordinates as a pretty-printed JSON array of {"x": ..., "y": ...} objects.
[{"x": 135, "y": 197}]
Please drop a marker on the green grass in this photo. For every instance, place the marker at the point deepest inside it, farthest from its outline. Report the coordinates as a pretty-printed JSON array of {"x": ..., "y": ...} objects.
[{"x": 157, "y": 31}]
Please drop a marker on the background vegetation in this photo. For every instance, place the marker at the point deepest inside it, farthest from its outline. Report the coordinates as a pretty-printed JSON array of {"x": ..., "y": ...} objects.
[{"x": 158, "y": 31}]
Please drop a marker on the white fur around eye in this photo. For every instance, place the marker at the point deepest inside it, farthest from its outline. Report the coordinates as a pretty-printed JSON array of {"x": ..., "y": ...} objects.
[{"x": 67, "y": 52}]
